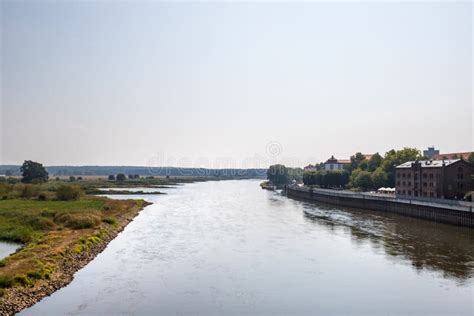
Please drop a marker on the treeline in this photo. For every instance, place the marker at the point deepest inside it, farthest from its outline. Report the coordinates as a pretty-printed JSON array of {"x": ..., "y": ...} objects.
[
  {"x": 326, "y": 178},
  {"x": 14, "y": 170}
]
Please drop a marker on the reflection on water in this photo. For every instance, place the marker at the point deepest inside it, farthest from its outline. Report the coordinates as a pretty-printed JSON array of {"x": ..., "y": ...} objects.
[
  {"x": 426, "y": 245},
  {"x": 230, "y": 248}
]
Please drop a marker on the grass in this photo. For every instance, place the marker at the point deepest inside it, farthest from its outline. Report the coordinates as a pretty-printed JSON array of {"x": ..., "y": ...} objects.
[
  {"x": 51, "y": 229},
  {"x": 20, "y": 220}
]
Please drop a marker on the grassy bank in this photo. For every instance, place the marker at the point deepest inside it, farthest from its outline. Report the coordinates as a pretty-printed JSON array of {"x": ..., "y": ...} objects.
[
  {"x": 51, "y": 229},
  {"x": 60, "y": 228}
]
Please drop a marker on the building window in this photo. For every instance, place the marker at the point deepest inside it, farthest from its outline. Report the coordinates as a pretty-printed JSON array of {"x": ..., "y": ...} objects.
[
  {"x": 398, "y": 174},
  {"x": 431, "y": 184},
  {"x": 416, "y": 176},
  {"x": 425, "y": 175},
  {"x": 403, "y": 183},
  {"x": 409, "y": 192},
  {"x": 460, "y": 186},
  {"x": 431, "y": 194},
  {"x": 403, "y": 175},
  {"x": 403, "y": 191},
  {"x": 409, "y": 183},
  {"x": 425, "y": 184},
  {"x": 398, "y": 183},
  {"x": 424, "y": 193},
  {"x": 409, "y": 175},
  {"x": 431, "y": 176}
]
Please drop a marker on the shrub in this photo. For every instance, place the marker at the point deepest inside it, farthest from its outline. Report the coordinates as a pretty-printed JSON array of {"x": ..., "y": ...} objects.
[
  {"x": 120, "y": 177},
  {"x": 28, "y": 191},
  {"x": 42, "y": 197},
  {"x": 34, "y": 275},
  {"x": 68, "y": 193},
  {"x": 41, "y": 223},
  {"x": 77, "y": 220},
  {"x": 12, "y": 180},
  {"x": 17, "y": 234},
  {"x": 21, "y": 279},
  {"x": 109, "y": 220},
  {"x": 5, "y": 282}
]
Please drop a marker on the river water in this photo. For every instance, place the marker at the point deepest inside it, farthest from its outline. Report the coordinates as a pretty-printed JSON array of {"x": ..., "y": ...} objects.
[
  {"x": 7, "y": 248},
  {"x": 230, "y": 248}
]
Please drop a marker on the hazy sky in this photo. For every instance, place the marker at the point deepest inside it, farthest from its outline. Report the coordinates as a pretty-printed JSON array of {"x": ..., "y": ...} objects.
[{"x": 232, "y": 84}]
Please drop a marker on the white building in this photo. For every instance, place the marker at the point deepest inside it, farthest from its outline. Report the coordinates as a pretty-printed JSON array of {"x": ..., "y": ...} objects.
[{"x": 336, "y": 164}]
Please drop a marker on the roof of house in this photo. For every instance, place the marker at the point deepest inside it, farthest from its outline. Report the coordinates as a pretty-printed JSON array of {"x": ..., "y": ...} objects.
[
  {"x": 344, "y": 161},
  {"x": 464, "y": 155},
  {"x": 429, "y": 163},
  {"x": 339, "y": 161}
]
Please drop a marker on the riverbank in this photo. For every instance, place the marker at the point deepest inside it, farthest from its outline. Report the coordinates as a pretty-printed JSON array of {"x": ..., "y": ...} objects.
[
  {"x": 444, "y": 211},
  {"x": 55, "y": 251}
]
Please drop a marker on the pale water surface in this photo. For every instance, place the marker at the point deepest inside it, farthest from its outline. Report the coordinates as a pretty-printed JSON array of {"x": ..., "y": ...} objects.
[
  {"x": 230, "y": 248},
  {"x": 7, "y": 248}
]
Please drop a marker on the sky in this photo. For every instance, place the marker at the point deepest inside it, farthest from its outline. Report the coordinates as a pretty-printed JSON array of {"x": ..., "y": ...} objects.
[{"x": 231, "y": 84}]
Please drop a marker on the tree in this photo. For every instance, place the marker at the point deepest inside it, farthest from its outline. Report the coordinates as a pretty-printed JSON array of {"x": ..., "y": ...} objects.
[
  {"x": 136, "y": 176},
  {"x": 72, "y": 178},
  {"x": 278, "y": 174},
  {"x": 379, "y": 178},
  {"x": 364, "y": 165},
  {"x": 120, "y": 177},
  {"x": 356, "y": 160},
  {"x": 111, "y": 177},
  {"x": 394, "y": 158},
  {"x": 33, "y": 172},
  {"x": 361, "y": 179},
  {"x": 375, "y": 161},
  {"x": 130, "y": 176},
  {"x": 470, "y": 158}
]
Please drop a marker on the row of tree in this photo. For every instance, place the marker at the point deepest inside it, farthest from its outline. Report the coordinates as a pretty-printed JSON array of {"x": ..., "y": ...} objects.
[
  {"x": 122, "y": 177},
  {"x": 326, "y": 178}
]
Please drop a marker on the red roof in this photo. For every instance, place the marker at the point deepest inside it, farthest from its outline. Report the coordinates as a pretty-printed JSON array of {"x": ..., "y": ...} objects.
[
  {"x": 344, "y": 161},
  {"x": 464, "y": 155}
]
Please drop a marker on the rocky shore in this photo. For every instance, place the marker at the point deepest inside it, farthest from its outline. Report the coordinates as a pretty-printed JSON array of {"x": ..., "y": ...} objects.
[{"x": 18, "y": 298}]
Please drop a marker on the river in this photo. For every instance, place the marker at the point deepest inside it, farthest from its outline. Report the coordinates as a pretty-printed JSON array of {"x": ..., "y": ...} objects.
[
  {"x": 231, "y": 248},
  {"x": 7, "y": 248}
]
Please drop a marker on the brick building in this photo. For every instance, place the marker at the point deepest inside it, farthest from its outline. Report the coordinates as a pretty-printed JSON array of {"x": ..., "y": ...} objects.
[{"x": 434, "y": 178}]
